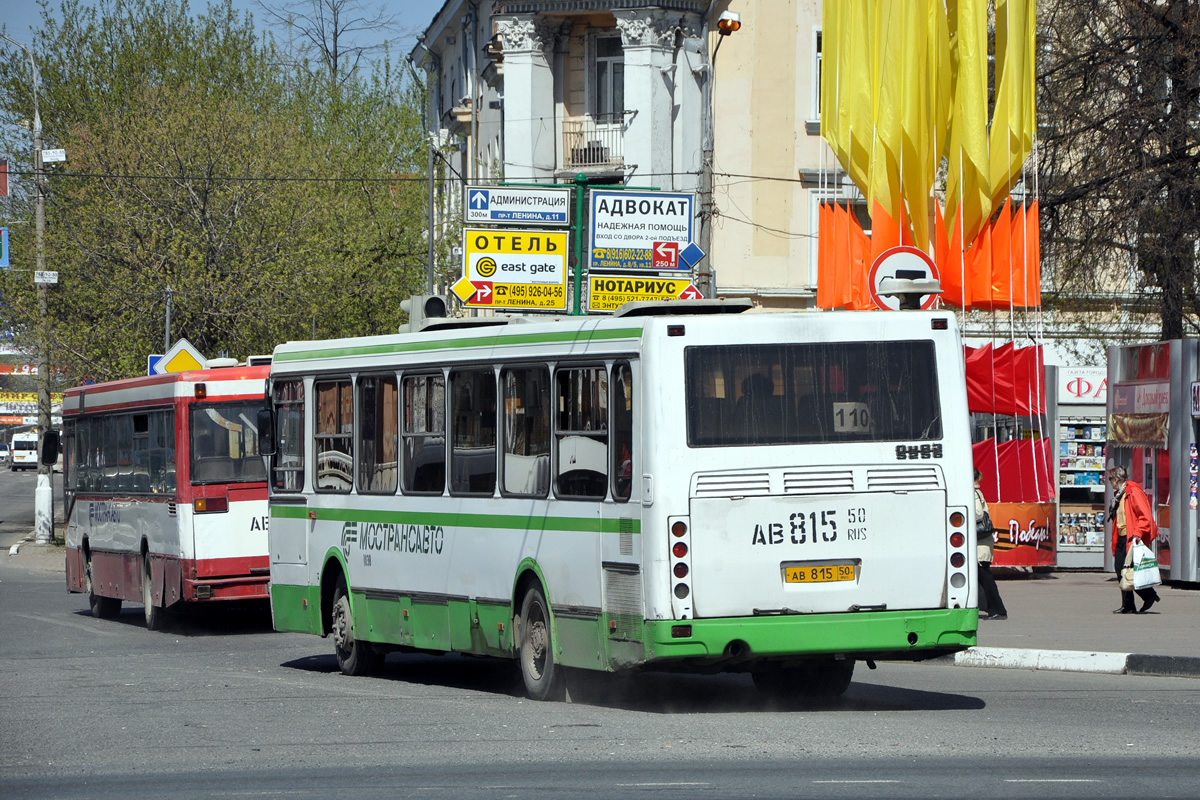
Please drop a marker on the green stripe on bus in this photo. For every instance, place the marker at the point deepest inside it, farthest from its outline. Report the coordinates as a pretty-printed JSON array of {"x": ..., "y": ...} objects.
[
  {"x": 460, "y": 344},
  {"x": 462, "y": 520}
]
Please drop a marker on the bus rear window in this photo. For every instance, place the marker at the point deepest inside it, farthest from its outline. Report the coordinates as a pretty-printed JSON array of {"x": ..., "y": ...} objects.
[
  {"x": 225, "y": 443},
  {"x": 811, "y": 393}
]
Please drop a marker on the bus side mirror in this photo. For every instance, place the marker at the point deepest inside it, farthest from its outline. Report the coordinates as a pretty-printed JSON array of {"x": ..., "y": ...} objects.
[
  {"x": 266, "y": 432},
  {"x": 50, "y": 443}
]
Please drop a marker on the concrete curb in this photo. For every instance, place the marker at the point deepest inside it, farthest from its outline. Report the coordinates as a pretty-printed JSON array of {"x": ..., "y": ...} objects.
[{"x": 1076, "y": 661}]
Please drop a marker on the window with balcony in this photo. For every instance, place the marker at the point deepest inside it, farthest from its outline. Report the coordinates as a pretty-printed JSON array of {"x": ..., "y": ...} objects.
[{"x": 608, "y": 80}]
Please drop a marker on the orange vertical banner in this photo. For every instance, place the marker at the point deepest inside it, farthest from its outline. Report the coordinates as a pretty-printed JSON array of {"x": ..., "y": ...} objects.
[
  {"x": 1004, "y": 269},
  {"x": 1033, "y": 245},
  {"x": 824, "y": 256},
  {"x": 979, "y": 269},
  {"x": 859, "y": 267},
  {"x": 948, "y": 256},
  {"x": 842, "y": 235}
]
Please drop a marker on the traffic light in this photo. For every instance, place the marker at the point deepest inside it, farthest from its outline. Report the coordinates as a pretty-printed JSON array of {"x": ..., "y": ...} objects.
[{"x": 421, "y": 309}]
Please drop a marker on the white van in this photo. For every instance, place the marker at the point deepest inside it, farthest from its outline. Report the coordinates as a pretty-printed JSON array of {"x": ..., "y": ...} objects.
[{"x": 24, "y": 451}]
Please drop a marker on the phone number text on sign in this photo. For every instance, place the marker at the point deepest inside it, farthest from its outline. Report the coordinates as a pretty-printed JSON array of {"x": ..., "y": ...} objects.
[{"x": 529, "y": 295}]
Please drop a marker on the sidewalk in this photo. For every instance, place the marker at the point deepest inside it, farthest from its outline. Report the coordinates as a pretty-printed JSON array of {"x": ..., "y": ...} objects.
[
  {"x": 1064, "y": 621},
  {"x": 1056, "y": 621}
]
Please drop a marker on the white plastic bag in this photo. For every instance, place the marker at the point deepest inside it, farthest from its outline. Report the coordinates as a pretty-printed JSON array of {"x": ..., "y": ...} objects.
[{"x": 1145, "y": 567}]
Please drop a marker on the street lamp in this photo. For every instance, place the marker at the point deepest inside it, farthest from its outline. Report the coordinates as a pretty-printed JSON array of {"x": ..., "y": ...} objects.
[
  {"x": 728, "y": 23},
  {"x": 44, "y": 494}
]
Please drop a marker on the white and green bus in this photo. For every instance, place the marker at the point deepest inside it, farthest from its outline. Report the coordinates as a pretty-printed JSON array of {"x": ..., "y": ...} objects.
[{"x": 679, "y": 486}]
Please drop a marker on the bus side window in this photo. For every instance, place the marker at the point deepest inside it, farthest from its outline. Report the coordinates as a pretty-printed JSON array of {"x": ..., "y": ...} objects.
[
  {"x": 473, "y": 431},
  {"x": 424, "y": 434},
  {"x": 622, "y": 431},
  {"x": 526, "y": 431},
  {"x": 377, "y": 410},
  {"x": 581, "y": 433},
  {"x": 334, "y": 450},
  {"x": 287, "y": 465}
]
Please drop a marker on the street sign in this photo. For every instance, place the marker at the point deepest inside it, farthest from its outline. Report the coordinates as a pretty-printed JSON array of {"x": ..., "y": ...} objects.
[
  {"x": 3, "y": 247},
  {"x": 905, "y": 263},
  {"x": 610, "y": 292},
  {"x": 503, "y": 204},
  {"x": 182, "y": 357},
  {"x": 514, "y": 269},
  {"x": 42, "y": 276},
  {"x": 51, "y": 156},
  {"x": 632, "y": 231}
]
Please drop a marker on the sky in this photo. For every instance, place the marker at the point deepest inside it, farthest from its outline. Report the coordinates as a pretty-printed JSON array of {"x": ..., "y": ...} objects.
[{"x": 412, "y": 16}]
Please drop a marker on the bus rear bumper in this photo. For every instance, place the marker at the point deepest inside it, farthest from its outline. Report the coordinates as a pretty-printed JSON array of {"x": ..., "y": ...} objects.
[{"x": 875, "y": 635}]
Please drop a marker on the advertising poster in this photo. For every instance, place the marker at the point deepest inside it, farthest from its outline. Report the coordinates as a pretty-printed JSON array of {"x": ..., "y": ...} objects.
[{"x": 1026, "y": 534}]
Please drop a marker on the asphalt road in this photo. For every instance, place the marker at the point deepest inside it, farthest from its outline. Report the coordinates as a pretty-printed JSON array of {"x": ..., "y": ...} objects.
[{"x": 220, "y": 706}]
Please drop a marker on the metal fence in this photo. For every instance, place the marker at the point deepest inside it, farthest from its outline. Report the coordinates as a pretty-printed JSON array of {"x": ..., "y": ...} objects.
[{"x": 594, "y": 141}]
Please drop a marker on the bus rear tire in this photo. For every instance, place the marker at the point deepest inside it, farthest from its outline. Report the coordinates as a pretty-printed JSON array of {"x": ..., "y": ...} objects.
[
  {"x": 825, "y": 678},
  {"x": 354, "y": 657},
  {"x": 155, "y": 615},
  {"x": 544, "y": 679},
  {"x": 101, "y": 607}
]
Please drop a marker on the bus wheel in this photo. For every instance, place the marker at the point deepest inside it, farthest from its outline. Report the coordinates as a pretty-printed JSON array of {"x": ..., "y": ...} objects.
[
  {"x": 354, "y": 657},
  {"x": 155, "y": 615},
  {"x": 102, "y": 607},
  {"x": 544, "y": 680}
]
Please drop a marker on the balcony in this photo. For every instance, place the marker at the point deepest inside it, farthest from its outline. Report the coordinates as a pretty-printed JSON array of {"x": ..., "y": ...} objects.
[{"x": 594, "y": 142}]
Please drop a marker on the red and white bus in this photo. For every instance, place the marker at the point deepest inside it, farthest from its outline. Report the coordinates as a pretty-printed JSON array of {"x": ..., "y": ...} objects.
[{"x": 166, "y": 494}]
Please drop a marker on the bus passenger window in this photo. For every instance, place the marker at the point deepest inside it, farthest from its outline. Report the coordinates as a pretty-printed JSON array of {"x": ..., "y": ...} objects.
[
  {"x": 287, "y": 465},
  {"x": 377, "y": 434},
  {"x": 473, "y": 432},
  {"x": 581, "y": 433},
  {"x": 334, "y": 451},
  {"x": 622, "y": 431},
  {"x": 424, "y": 434},
  {"x": 526, "y": 431}
]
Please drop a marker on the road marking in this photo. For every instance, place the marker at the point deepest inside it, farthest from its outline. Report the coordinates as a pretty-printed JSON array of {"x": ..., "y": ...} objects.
[
  {"x": 1052, "y": 780},
  {"x": 76, "y": 625},
  {"x": 864, "y": 781},
  {"x": 676, "y": 783}
]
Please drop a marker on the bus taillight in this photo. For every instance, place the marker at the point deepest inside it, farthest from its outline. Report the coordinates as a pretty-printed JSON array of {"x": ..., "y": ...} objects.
[
  {"x": 210, "y": 505},
  {"x": 956, "y": 539},
  {"x": 680, "y": 551}
]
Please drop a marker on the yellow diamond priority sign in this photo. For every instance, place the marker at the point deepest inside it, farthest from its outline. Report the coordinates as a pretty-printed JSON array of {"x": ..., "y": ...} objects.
[{"x": 182, "y": 357}]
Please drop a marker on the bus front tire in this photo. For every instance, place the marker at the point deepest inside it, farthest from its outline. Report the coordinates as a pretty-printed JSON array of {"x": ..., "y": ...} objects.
[
  {"x": 354, "y": 657},
  {"x": 101, "y": 607},
  {"x": 544, "y": 679},
  {"x": 155, "y": 615}
]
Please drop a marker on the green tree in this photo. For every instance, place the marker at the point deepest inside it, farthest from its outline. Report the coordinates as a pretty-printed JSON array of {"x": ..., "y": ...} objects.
[
  {"x": 205, "y": 159},
  {"x": 1119, "y": 158}
]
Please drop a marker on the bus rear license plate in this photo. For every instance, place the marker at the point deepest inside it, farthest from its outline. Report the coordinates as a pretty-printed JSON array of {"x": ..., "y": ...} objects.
[{"x": 818, "y": 573}]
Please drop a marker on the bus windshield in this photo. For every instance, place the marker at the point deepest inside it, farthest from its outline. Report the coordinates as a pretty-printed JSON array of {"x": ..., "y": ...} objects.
[
  {"x": 771, "y": 394},
  {"x": 225, "y": 443}
]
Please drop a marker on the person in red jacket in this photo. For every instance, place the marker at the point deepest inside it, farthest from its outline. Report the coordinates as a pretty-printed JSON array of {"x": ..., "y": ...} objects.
[{"x": 1132, "y": 517}]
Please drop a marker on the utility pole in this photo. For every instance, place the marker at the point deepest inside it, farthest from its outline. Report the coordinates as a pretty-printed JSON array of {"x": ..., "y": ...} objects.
[{"x": 43, "y": 498}]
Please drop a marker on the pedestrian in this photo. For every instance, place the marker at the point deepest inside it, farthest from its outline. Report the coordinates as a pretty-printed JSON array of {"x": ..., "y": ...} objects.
[
  {"x": 991, "y": 606},
  {"x": 1131, "y": 517}
]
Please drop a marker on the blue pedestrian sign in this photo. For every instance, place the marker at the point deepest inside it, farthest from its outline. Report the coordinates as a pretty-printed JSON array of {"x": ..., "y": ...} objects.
[
  {"x": 518, "y": 205},
  {"x": 3, "y": 247}
]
